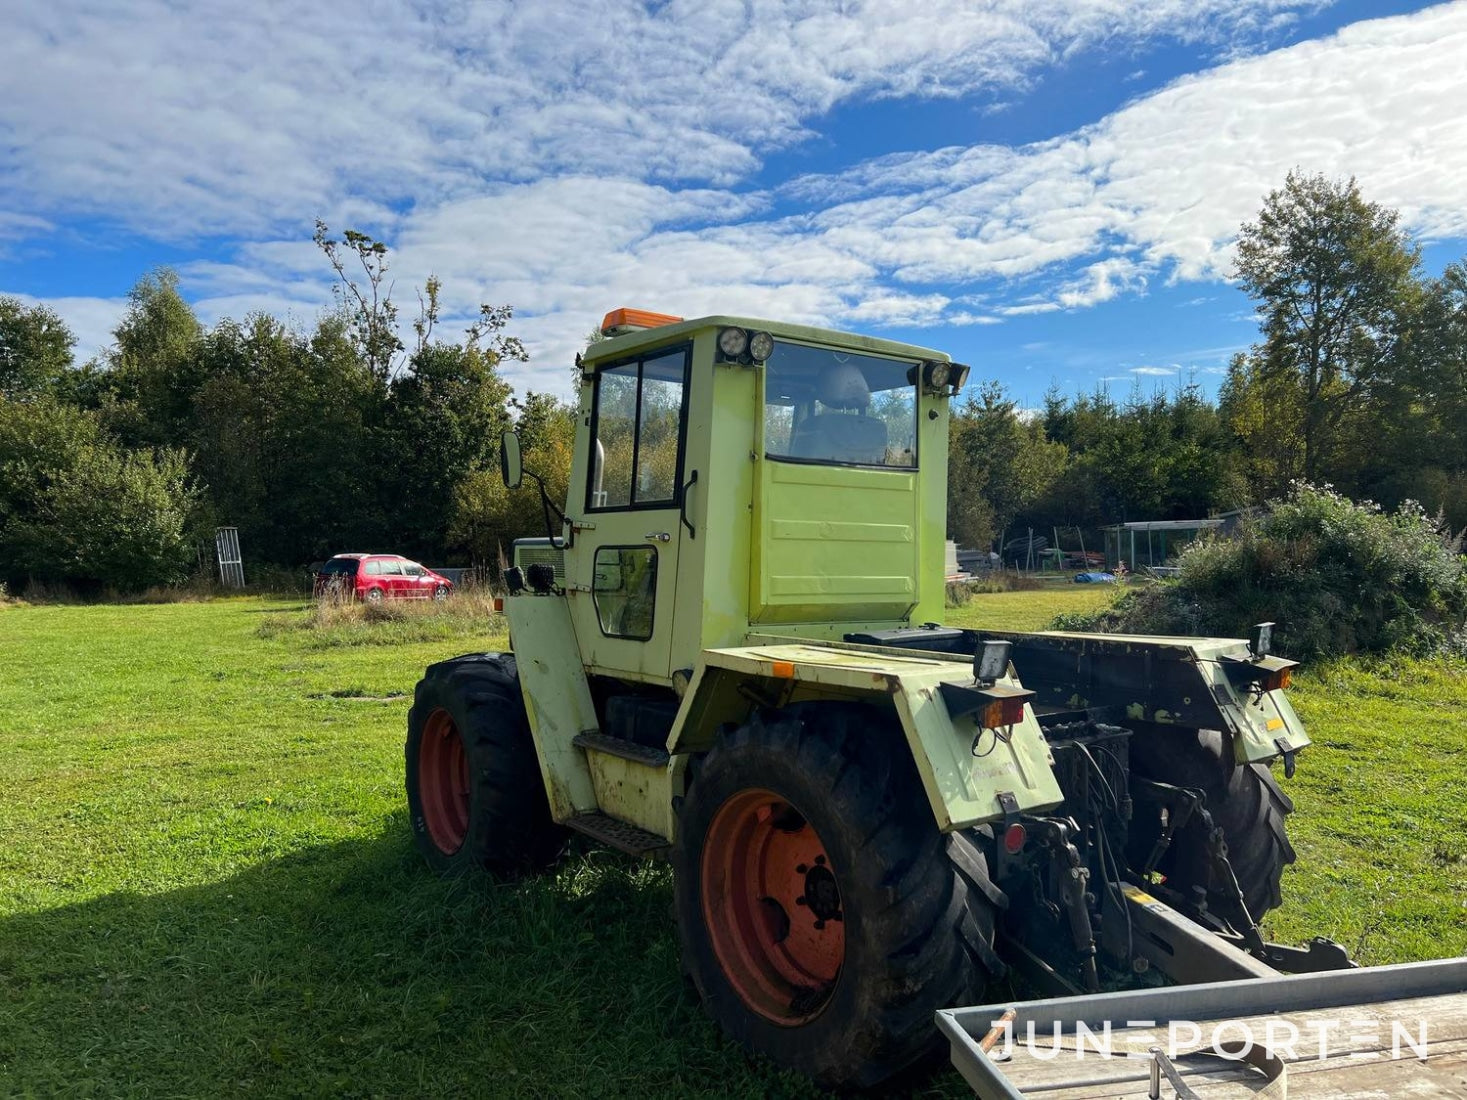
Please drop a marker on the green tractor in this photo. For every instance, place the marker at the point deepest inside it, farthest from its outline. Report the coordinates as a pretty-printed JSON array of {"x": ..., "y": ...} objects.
[{"x": 726, "y": 654}]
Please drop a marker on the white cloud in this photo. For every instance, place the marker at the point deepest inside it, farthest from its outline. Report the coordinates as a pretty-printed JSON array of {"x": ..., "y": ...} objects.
[
  {"x": 200, "y": 117},
  {"x": 1156, "y": 372},
  {"x": 1027, "y": 308},
  {"x": 568, "y": 181},
  {"x": 91, "y": 320},
  {"x": 1169, "y": 178}
]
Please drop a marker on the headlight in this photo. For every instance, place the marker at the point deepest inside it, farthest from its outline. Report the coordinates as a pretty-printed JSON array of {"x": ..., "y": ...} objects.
[
  {"x": 943, "y": 378},
  {"x": 733, "y": 342},
  {"x": 761, "y": 346}
]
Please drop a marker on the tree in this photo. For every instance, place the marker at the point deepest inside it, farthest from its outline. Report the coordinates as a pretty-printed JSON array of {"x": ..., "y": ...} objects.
[
  {"x": 39, "y": 442},
  {"x": 75, "y": 508},
  {"x": 148, "y": 391},
  {"x": 1333, "y": 277},
  {"x": 486, "y": 516},
  {"x": 371, "y": 314},
  {"x": 286, "y": 432},
  {"x": 999, "y": 466},
  {"x": 35, "y": 348}
]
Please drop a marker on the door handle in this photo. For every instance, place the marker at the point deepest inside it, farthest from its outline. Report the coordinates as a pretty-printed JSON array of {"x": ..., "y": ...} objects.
[
  {"x": 682, "y": 507},
  {"x": 658, "y": 536}
]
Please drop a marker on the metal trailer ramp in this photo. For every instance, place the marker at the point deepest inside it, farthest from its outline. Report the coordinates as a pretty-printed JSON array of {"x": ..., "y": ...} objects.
[{"x": 1386, "y": 1031}]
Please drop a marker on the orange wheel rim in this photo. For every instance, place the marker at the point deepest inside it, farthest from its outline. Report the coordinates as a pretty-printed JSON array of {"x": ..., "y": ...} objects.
[
  {"x": 443, "y": 782},
  {"x": 772, "y": 906}
]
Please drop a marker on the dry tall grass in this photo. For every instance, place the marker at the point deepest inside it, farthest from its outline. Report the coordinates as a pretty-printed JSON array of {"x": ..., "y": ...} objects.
[{"x": 337, "y": 621}]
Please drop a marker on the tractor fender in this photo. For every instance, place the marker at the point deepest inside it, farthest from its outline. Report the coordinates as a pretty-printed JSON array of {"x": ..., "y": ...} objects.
[
  {"x": 557, "y": 699},
  {"x": 971, "y": 775}
]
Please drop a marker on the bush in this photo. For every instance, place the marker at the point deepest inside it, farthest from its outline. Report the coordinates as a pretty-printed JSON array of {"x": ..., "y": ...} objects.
[
  {"x": 114, "y": 519},
  {"x": 1336, "y": 576},
  {"x": 79, "y": 511}
]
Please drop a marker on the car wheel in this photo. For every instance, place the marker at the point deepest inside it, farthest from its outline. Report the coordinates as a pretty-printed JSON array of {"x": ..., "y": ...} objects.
[
  {"x": 441, "y": 592},
  {"x": 374, "y": 595}
]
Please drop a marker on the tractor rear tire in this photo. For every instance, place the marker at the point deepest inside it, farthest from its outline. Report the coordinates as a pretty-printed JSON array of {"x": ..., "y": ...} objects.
[
  {"x": 475, "y": 796},
  {"x": 1245, "y": 800},
  {"x": 823, "y": 916}
]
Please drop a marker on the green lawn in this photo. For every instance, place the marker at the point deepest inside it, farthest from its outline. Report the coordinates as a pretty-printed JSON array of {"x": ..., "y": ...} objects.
[
  {"x": 1027, "y": 610},
  {"x": 207, "y": 884}
]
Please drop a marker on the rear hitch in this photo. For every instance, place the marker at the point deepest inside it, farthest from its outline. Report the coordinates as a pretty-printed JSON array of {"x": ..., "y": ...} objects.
[
  {"x": 1178, "y": 806},
  {"x": 1069, "y": 873}
]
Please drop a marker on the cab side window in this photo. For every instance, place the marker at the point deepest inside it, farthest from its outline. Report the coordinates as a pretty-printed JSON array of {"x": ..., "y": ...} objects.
[{"x": 638, "y": 415}]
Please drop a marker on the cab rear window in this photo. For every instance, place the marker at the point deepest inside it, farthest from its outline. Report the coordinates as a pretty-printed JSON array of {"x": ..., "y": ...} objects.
[{"x": 344, "y": 566}]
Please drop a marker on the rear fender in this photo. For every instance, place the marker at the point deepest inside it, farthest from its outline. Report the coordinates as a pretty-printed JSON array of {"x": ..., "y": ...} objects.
[{"x": 964, "y": 769}]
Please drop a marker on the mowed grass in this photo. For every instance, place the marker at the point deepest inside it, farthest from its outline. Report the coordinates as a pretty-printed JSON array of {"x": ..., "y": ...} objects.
[
  {"x": 1027, "y": 610},
  {"x": 207, "y": 883}
]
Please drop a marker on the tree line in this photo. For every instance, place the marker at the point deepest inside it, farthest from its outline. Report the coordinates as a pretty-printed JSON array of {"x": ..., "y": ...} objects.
[
  {"x": 1358, "y": 380},
  {"x": 354, "y": 434},
  {"x": 362, "y": 432}
]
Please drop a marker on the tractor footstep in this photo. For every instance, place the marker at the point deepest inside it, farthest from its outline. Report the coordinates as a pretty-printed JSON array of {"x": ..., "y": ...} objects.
[{"x": 618, "y": 834}]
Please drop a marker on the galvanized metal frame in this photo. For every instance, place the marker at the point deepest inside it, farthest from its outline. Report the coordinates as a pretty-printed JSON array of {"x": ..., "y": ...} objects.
[{"x": 966, "y": 1027}]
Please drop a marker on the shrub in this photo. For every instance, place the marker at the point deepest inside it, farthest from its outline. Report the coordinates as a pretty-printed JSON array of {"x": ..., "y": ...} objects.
[
  {"x": 79, "y": 511},
  {"x": 1336, "y": 576},
  {"x": 113, "y": 519}
]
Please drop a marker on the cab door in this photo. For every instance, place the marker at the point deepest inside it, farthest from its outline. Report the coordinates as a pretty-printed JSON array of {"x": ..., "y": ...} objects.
[{"x": 634, "y": 493}]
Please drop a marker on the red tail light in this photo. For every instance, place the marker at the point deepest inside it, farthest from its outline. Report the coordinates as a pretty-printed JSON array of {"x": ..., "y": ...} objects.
[
  {"x": 1002, "y": 712},
  {"x": 1277, "y": 679},
  {"x": 1260, "y": 673}
]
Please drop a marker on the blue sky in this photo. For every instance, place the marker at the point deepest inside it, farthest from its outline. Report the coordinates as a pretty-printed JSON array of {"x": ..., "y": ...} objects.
[{"x": 1047, "y": 189}]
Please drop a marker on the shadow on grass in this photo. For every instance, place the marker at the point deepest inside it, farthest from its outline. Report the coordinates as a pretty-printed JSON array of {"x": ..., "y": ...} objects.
[{"x": 350, "y": 970}]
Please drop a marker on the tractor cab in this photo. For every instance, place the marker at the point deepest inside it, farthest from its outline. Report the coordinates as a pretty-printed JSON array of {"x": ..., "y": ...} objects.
[{"x": 734, "y": 474}]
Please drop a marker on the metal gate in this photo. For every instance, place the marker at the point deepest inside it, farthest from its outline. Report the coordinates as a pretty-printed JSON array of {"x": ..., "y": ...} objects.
[{"x": 231, "y": 567}]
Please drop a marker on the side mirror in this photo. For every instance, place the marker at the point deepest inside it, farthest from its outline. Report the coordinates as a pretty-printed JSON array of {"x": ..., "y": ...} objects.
[{"x": 511, "y": 468}]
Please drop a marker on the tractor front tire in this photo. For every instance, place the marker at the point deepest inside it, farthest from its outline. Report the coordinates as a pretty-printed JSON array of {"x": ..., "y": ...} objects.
[
  {"x": 1245, "y": 801},
  {"x": 475, "y": 796},
  {"x": 823, "y": 916}
]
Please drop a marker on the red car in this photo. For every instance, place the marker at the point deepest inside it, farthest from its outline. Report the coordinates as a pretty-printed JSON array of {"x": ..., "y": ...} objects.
[{"x": 378, "y": 577}]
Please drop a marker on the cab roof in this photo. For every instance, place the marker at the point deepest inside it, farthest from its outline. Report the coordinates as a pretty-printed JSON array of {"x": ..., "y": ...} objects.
[{"x": 620, "y": 346}]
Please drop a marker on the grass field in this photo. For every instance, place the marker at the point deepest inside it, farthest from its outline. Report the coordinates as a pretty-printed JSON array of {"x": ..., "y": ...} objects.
[{"x": 207, "y": 884}]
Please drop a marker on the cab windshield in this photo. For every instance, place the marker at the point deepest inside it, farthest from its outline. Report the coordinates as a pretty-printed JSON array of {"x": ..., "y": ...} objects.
[{"x": 840, "y": 407}]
